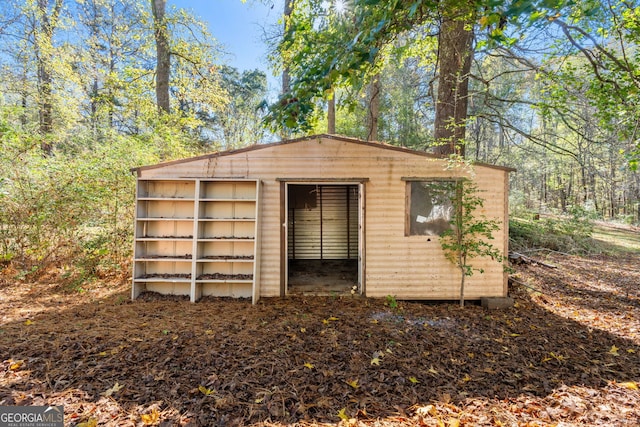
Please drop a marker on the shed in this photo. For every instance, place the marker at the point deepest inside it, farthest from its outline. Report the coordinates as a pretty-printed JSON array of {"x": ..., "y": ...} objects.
[{"x": 323, "y": 214}]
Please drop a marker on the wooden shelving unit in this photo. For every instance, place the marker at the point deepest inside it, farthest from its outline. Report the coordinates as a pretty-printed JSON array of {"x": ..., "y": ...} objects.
[{"x": 197, "y": 237}]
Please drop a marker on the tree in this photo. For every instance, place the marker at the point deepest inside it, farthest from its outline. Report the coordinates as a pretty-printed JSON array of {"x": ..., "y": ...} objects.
[
  {"x": 163, "y": 55},
  {"x": 240, "y": 121},
  {"x": 324, "y": 54},
  {"x": 112, "y": 39},
  {"x": 455, "y": 52},
  {"x": 334, "y": 54},
  {"x": 45, "y": 17}
]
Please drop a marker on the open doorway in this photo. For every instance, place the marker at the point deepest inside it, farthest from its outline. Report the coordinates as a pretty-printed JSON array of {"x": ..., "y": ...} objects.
[{"x": 323, "y": 238}]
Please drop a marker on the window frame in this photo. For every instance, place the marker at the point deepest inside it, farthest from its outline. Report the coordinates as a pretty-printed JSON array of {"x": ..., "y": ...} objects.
[{"x": 409, "y": 181}]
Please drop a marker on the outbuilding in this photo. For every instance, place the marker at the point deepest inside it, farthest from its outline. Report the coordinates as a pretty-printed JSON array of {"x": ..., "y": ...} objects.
[{"x": 318, "y": 215}]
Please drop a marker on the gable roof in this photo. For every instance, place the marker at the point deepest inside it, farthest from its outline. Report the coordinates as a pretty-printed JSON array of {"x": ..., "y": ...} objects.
[{"x": 378, "y": 145}]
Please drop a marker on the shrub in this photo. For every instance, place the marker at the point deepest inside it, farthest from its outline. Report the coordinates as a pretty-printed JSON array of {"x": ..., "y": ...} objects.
[{"x": 570, "y": 234}]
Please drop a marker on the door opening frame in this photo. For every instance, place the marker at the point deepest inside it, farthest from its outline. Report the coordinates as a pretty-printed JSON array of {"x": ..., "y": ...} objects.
[{"x": 284, "y": 221}]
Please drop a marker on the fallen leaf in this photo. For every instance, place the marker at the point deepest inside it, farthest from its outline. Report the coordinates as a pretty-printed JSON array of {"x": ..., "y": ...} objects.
[
  {"x": 206, "y": 391},
  {"x": 433, "y": 371},
  {"x": 375, "y": 361},
  {"x": 14, "y": 366},
  {"x": 427, "y": 410},
  {"x": 614, "y": 350},
  {"x": 116, "y": 388},
  {"x": 630, "y": 385},
  {"x": 151, "y": 418},
  {"x": 91, "y": 422},
  {"x": 342, "y": 413},
  {"x": 28, "y": 322},
  {"x": 353, "y": 383},
  {"x": 303, "y": 330},
  {"x": 414, "y": 380},
  {"x": 309, "y": 365},
  {"x": 333, "y": 318}
]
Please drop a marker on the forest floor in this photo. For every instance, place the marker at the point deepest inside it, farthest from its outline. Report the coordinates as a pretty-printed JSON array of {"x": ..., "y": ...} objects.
[{"x": 567, "y": 354}]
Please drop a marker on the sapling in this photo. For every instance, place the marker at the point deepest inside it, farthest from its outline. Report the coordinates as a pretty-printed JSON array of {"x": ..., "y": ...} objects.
[{"x": 470, "y": 234}]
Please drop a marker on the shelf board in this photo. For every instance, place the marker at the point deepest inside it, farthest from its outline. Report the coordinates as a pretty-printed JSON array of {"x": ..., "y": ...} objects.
[
  {"x": 164, "y": 239},
  {"x": 227, "y": 219},
  {"x": 159, "y": 259},
  {"x": 227, "y": 260},
  {"x": 226, "y": 239},
  {"x": 224, "y": 281},
  {"x": 164, "y": 219},
  {"x": 161, "y": 280},
  {"x": 228, "y": 199},
  {"x": 170, "y": 199}
]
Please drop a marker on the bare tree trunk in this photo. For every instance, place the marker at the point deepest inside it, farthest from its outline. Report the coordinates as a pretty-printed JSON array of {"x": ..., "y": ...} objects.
[
  {"x": 286, "y": 78},
  {"x": 331, "y": 115},
  {"x": 454, "y": 56},
  {"x": 44, "y": 53},
  {"x": 373, "y": 113},
  {"x": 163, "y": 55},
  {"x": 464, "y": 276},
  {"x": 45, "y": 112}
]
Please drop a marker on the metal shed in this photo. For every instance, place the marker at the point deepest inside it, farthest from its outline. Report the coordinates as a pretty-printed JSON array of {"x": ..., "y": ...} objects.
[{"x": 322, "y": 214}]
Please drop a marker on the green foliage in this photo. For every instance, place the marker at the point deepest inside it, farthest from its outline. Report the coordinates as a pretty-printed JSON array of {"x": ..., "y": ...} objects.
[
  {"x": 392, "y": 303},
  {"x": 240, "y": 121},
  {"x": 92, "y": 68},
  {"x": 323, "y": 50},
  {"x": 568, "y": 234},
  {"x": 68, "y": 210}
]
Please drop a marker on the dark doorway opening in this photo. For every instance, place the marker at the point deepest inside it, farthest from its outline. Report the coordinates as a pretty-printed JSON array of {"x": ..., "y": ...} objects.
[{"x": 322, "y": 238}]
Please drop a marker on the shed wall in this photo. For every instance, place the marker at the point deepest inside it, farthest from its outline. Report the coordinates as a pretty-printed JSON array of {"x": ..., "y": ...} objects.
[{"x": 408, "y": 267}]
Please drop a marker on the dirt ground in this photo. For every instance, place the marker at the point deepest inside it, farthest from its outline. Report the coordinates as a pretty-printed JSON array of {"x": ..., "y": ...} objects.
[{"x": 567, "y": 354}]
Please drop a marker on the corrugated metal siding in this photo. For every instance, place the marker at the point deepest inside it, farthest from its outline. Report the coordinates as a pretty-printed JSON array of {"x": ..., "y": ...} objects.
[
  {"x": 410, "y": 267},
  {"x": 326, "y": 229}
]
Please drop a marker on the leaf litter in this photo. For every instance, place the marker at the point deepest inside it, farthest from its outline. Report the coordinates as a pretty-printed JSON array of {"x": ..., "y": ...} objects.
[{"x": 567, "y": 354}]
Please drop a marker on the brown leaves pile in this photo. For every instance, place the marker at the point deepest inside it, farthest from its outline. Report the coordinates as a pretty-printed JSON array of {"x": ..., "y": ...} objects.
[{"x": 567, "y": 353}]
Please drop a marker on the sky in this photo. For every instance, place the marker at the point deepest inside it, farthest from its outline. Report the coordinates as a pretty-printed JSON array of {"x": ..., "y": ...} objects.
[{"x": 238, "y": 26}]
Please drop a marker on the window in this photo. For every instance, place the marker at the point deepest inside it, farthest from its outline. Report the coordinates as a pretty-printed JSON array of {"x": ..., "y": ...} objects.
[{"x": 429, "y": 207}]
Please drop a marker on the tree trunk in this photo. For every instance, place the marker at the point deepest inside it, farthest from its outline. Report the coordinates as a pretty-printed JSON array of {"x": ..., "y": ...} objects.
[
  {"x": 44, "y": 53},
  {"x": 331, "y": 115},
  {"x": 454, "y": 56},
  {"x": 163, "y": 55},
  {"x": 373, "y": 113},
  {"x": 462, "y": 288},
  {"x": 286, "y": 77},
  {"x": 45, "y": 112}
]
